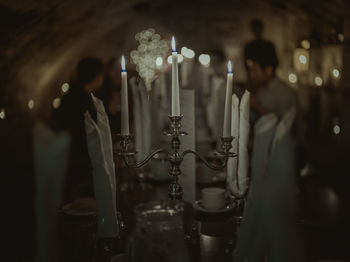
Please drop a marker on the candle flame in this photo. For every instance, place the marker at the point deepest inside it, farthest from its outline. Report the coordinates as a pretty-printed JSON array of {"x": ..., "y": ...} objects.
[
  {"x": 123, "y": 64},
  {"x": 229, "y": 67},
  {"x": 173, "y": 44}
]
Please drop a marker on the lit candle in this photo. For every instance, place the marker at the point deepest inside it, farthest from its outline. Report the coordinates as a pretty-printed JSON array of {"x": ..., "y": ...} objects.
[
  {"x": 228, "y": 102},
  {"x": 175, "y": 97},
  {"x": 124, "y": 101}
]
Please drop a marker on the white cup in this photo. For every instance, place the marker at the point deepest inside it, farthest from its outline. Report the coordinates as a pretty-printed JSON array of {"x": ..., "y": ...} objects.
[{"x": 213, "y": 198}]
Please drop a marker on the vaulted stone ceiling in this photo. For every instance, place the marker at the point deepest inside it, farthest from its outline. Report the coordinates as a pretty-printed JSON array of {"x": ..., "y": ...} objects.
[{"x": 41, "y": 40}]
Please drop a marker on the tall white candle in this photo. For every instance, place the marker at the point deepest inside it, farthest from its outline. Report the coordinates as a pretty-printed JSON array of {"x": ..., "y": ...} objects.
[
  {"x": 175, "y": 96},
  {"x": 228, "y": 102},
  {"x": 124, "y": 101}
]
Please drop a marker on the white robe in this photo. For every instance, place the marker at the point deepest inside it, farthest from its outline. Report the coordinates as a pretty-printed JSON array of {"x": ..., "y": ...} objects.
[{"x": 268, "y": 229}]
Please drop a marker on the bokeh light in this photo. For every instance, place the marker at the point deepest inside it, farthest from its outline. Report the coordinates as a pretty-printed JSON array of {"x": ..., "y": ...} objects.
[
  {"x": 65, "y": 87},
  {"x": 150, "y": 48},
  {"x": 204, "y": 59},
  {"x": 186, "y": 52},
  {"x": 2, "y": 113},
  {"x": 336, "y": 129},
  {"x": 180, "y": 59},
  {"x": 318, "y": 81},
  {"x": 336, "y": 73},
  {"x": 56, "y": 102},
  {"x": 31, "y": 104},
  {"x": 159, "y": 61},
  {"x": 305, "y": 44},
  {"x": 292, "y": 78},
  {"x": 302, "y": 59}
]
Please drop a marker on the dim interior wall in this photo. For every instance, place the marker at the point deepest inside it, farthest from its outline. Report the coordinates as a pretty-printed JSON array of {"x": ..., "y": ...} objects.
[{"x": 44, "y": 53}]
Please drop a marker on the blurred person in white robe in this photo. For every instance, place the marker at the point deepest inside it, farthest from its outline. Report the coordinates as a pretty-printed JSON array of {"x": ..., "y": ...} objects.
[{"x": 268, "y": 231}]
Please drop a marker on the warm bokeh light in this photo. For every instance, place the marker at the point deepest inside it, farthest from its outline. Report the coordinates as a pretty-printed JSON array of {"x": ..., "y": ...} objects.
[
  {"x": 180, "y": 58},
  {"x": 190, "y": 53},
  {"x": 302, "y": 59},
  {"x": 31, "y": 104},
  {"x": 204, "y": 59},
  {"x": 336, "y": 73},
  {"x": 305, "y": 44},
  {"x": 341, "y": 37},
  {"x": 249, "y": 62},
  {"x": 56, "y": 102},
  {"x": 65, "y": 87},
  {"x": 318, "y": 81},
  {"x": 170, "y": 60},
  {"x": 144, "y": 57},
  {"x": 292, "y": 78},
  {"x": 2, "y": 113},
  {"x": 159, "y": 61},
  {"x": 186, "y": 52},
  {"x": 336, "y": 129}
]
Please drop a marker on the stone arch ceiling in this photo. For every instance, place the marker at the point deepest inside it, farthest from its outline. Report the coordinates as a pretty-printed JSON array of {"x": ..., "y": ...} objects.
[{"x": 41, "y": 40}]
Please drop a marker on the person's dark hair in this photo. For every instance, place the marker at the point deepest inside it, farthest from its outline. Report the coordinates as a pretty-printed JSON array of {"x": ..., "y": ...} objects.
[
  {"x": 88, "y": 68},
  {"x": 264, "y": 55},
  {"x": 257, "y": 26},
  {"x": 218, "y": 54}
]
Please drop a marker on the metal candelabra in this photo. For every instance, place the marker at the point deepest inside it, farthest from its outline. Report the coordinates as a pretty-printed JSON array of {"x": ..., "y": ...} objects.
[{"x": 174, "y": 156}]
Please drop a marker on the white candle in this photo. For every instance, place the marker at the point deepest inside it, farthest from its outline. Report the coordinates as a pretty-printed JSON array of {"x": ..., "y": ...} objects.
[
  {"x": 175, "y": 96},
  {"x": 124, "y": 101},
  {"x": 228, "y": 102}
]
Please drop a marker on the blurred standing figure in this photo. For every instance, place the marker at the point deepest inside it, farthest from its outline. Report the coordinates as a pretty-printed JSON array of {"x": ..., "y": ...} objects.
[
  {"x": 269, "y": 230},
  {"x": 91, "y": 180},
  {"x": 251, "y": 49},
  {"x": 70, "y": 117},
  {"x": 110, "y": 94},
  {"x": 268, "y": 93}
]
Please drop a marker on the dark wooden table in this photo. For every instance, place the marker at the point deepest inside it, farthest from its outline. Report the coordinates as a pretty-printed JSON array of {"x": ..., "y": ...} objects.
[{"x": 208, "y": 237}]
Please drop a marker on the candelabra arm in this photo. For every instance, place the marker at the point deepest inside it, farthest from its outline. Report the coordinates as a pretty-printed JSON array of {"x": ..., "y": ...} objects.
[
  {"x": 213, "y": 167},
  {"x": 146, "y": 160}
]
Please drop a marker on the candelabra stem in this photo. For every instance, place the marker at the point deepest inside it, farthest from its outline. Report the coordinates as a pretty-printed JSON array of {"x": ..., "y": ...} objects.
[{"x": 175, "y": 158}]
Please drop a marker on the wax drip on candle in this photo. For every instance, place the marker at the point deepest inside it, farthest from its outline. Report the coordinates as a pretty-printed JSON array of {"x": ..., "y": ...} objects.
[
  {"x": 229, "y": 67},
  {"x": 123, "y": 64},
  {"x": 173, "y": 44}
]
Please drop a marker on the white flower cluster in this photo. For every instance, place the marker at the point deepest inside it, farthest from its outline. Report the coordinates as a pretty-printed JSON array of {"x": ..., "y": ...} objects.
[{"x": 150, "y": 48}]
